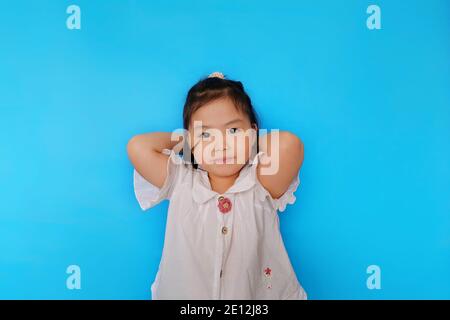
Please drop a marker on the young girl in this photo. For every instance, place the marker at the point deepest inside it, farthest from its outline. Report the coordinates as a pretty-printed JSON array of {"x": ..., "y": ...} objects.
[{"x": 222, "y": 237}]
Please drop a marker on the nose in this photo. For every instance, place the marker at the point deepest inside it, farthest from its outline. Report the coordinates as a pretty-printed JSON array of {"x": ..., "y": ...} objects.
[{"x": 221, "y": 144}]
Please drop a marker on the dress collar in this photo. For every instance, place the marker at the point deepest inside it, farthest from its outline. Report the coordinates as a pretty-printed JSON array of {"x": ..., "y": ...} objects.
[{"x": 202, "y": 192}]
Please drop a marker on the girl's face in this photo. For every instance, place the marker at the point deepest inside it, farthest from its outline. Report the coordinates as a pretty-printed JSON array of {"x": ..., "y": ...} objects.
[{"x": 221, "y": 137}]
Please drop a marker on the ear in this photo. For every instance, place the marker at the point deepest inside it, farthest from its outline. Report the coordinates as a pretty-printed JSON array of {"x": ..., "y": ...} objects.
[
  {"x": 255, "y": 127},
  {"x": 186, "y": 146},
  {"x": 188, "y": 139},
  {"x": 255, "y": 145}
]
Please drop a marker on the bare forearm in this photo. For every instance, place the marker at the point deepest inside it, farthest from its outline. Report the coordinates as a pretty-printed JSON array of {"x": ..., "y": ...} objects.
[
  {"x": 145, "y": 153},
  {"x": 282, "y": 159}
]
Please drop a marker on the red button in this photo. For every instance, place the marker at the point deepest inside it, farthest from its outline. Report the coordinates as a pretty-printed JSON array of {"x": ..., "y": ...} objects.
[{"x": 224, "y": 204}]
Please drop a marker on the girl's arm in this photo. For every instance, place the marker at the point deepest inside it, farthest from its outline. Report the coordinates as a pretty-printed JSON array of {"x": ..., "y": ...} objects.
[
  {"x": 145, "y": 153},
  {"x": 285, "y": 166}
]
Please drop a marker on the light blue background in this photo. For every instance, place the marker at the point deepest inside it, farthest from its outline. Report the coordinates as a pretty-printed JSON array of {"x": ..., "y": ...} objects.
[{"x": 372, "y": 108}]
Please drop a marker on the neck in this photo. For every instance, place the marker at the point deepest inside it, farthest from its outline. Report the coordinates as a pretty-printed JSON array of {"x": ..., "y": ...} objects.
[{"x": 221, "y": 184}]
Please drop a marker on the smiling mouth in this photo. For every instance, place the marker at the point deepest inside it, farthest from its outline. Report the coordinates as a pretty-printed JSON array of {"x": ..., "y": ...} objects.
[{"x": 225, "y": 160}]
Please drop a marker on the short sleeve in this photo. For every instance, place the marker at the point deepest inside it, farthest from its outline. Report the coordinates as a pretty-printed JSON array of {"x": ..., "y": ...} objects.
[
  {"x": 288, "y": 197},
  {"x": 147, "y": 194}
]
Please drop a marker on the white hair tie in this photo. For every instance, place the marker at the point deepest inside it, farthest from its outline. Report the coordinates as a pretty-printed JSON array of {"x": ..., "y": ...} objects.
[{"x": 216, "y": 75}]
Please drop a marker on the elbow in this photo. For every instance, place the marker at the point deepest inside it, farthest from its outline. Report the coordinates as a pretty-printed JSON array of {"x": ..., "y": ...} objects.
[
  {"x": 293, "y": 145},
  {"x": 290, "y": 141},
  {"x": 132, "y": 146}
]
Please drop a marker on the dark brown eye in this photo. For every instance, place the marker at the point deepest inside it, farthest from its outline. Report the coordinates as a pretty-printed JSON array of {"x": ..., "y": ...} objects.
[{"x": 205, "y": 135}]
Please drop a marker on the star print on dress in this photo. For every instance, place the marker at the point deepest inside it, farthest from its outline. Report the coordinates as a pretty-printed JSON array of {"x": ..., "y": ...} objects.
[{"x": 267, "y": 279}]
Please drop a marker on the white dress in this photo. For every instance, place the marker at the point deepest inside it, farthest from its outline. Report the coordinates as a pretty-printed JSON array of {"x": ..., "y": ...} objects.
[{"x": 208, "y": 254}]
